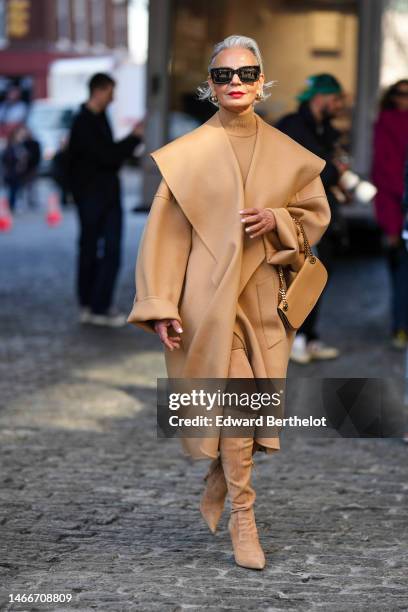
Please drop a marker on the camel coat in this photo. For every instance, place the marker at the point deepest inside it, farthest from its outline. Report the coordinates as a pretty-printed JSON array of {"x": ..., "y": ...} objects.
[{"x": 196, "y": 263}]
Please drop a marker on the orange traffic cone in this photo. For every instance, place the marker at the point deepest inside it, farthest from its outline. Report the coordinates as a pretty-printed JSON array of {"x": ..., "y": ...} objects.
[
  {"x": 6, "y": 219},
  {"x": 54, "y": 214}
]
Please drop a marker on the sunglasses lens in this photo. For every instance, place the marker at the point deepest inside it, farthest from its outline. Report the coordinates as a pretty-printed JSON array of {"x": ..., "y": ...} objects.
[
  {"x": 249, "y": 74},
  {"x": 221, "y": 75}
]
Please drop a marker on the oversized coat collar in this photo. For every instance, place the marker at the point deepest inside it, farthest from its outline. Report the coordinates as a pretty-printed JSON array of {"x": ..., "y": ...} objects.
[{"x": 203, "y": 174}]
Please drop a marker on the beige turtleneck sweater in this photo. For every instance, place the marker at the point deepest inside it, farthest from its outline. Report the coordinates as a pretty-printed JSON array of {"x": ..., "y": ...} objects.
[{"x": 241, "y": 131}]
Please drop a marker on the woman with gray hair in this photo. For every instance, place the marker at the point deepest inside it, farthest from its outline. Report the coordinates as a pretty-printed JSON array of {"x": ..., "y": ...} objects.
[{"x": 222, "y": 221}]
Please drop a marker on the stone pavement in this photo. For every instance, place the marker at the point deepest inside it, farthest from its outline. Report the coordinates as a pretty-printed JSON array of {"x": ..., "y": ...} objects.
[{"x": 93, "y": 505}]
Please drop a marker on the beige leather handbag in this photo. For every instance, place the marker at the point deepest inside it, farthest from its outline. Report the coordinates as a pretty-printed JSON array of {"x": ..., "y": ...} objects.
[{"x": 305, "y": 289}]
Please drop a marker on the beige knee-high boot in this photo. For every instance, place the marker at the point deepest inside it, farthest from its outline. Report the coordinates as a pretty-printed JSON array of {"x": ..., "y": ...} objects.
[
  {"x": 236, "y": 458},
  {"x": 213, "y": 498},
  {"x": 215, "y": 492}
]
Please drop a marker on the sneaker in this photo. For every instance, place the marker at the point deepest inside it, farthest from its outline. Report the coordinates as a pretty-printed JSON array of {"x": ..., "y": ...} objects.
[
  {"x": 299, "y": 352},
  {"x": 84, "y": 314},
  {"x": 112, "y": 318},
  {"x": 319, "y": 350},
  {"x": 400, "y": 340}
]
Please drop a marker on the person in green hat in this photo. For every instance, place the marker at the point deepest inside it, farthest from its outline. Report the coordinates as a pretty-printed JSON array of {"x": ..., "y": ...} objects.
[
  {"x": 320, "y": 101},
  {"x": 325, "y": 84}
]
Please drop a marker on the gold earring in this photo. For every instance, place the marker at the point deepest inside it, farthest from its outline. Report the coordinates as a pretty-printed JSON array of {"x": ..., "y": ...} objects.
[
  {"x": 258, "y": 96},
  {"x": 214, "y": 98}
]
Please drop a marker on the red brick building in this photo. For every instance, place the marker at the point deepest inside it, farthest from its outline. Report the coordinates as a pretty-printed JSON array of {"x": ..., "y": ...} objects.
[{"x": 33, "y": 33}]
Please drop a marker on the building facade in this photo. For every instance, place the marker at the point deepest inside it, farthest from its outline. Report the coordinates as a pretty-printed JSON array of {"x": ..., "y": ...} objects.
[
  {"x": 33, "y": 33},
  {"x": 297, "y": 37}
]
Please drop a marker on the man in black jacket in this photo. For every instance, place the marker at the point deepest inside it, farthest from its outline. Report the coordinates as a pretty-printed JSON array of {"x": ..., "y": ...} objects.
[
  {"x": 311, "y": 127},
  {"x": 94, "y": 162}
]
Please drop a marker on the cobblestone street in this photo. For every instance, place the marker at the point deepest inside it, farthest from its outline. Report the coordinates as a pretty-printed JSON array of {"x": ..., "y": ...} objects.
[{"x": 93, "y": 505}]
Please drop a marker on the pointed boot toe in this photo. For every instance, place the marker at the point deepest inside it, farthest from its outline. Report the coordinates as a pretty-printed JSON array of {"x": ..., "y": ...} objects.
[
  {"x": 211, "y": 515},
  {"x": 245, "y": 542},
  {"x": 213, "y": 498}
]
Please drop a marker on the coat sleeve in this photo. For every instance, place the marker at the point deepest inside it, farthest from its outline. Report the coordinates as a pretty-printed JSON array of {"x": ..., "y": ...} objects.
[
  {"x": 161, "y": 261},
  {"x": 284, "y": 244}
]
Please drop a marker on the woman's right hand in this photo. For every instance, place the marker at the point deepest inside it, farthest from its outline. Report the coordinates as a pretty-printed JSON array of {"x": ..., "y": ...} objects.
[{"x": 160, "y": 327}]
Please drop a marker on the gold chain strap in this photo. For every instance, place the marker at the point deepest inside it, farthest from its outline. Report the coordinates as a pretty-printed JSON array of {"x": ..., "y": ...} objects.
[{"x": 308, "y": 253}]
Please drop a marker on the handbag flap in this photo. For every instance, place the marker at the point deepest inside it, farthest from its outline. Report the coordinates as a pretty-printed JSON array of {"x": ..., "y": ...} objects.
[{"x": 305, "y": 290}]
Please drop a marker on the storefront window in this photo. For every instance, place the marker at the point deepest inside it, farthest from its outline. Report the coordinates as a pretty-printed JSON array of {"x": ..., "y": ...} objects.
[
  {"x": 120, "y": 22},
  {"x": 81, "y": 23},
  {"x": 64, "y": 20},
  {"x": 3, "y": 37},
  {"x": 98, "y": 20}
]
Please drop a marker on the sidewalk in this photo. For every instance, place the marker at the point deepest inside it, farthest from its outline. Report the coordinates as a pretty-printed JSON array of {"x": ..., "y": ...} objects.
[{"x": 94, "y": 505}]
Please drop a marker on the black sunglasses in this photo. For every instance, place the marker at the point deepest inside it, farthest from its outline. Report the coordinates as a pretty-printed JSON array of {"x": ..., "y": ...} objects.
[{"x": 247, "y": 74}]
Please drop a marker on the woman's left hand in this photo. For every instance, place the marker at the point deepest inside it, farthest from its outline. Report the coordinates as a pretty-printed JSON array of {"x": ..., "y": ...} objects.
[{"x": 262, "y": 221}]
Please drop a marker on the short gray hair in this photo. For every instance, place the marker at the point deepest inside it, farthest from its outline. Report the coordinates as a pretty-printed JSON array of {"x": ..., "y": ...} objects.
[{"x": 240, "y": 42}]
